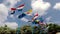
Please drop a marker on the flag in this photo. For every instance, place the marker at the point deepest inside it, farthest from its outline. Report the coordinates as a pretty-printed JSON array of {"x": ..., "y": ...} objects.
[
  {"x": 35, "y": 16},
  {"x": 22, "y": 15},
  {"x": 29, "y": 12},
  {"x": 13, "y": 10},
  {"x": 19, "y": 8},
  {"x": 35, "y": 21}
]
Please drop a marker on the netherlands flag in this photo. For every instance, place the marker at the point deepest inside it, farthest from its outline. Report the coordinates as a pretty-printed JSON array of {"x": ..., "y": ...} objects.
[
  {"x": 36, "y": 15},
  {"x": 13, "y": 10},
  {"x": 19, "y": 8}
]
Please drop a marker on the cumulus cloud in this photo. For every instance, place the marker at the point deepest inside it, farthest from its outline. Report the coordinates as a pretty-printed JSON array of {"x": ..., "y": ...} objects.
[
  {"x": 4, "y": 9},
  {"x": 40, "y": 6},
  {"x": 3, "y": 17},
  {"x": 57, "y": 6},
  {"x": 3, "y": 12},
  {"x": 12, "y": 25}
]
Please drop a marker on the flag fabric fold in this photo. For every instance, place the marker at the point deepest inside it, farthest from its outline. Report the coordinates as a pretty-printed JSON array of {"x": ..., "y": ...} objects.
[
  {"x": 29, "y": 12},
  {"x": 13, "y": 10},
  {"x": 35, "y": 16},
  {"x": 22, "y": 15},
  {"x": 19, "y": 8}
]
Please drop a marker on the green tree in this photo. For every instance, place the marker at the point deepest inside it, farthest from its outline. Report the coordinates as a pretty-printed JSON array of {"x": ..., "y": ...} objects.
[
  {"x": 26, "y": 30},
  {"x": 36, "y": 30},
  {"x": 53, "y": 28},
  {"x": 4, "y": 30}
]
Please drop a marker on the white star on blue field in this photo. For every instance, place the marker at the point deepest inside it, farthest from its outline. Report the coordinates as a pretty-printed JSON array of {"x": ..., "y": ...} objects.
[{"x": 51, "y": 12}]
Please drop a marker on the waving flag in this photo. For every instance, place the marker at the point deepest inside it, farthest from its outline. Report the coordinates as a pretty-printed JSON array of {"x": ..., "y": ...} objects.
[
  {"x": 22, "y": 15},
  {"x": 29, "y": 12},
  {"x": 13, "y": 10},
  {"x": 19, "y": 8},
  {"x": 35, "y": 16}
]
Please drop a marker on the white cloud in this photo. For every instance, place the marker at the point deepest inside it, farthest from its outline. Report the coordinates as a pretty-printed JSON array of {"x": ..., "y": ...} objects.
[
  {"x": 12, "y": 25},
  {"x": 3, "y": 12},
  {"x": 40, "y": 6},
  {"x": 1, "y": 24},
  {"x": 57, "y": 6},
  {"x": 4, "y": 9}
]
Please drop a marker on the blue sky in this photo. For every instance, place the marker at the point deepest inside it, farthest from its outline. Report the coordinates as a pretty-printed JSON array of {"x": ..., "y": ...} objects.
[{"x": 50, "y": 10}]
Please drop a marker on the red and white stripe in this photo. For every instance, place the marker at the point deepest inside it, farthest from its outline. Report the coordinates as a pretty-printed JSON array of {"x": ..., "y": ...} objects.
[
  {"x": 36, "y": 15},
  {"x": 27, "y": 13},
  {"x": 13, "y": 9},
  {"x": 20, "y": 7}
]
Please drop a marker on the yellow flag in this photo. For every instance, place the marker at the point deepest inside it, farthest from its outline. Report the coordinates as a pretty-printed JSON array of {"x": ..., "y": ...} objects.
[{"x": 30, "y": 11}]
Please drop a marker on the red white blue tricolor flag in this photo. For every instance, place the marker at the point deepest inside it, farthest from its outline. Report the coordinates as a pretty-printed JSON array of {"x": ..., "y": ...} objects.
[
  {"x": 36, "y": 15},
  {"x": 19, "y": 8}
]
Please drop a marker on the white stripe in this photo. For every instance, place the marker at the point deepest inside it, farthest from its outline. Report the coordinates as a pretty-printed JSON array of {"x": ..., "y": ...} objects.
[
  {"x": 21, "y": 7},
  {"x": 35, "y": 17}
]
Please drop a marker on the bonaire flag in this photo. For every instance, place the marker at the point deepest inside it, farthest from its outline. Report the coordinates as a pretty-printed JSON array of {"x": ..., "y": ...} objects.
[
  {"x": 19, "y": 8},
  {"x": 29, "y": 12}
]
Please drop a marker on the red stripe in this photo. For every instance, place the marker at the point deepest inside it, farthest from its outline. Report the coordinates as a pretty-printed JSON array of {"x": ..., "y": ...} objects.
[
  {"x": 28, "y": 13},
  {"x": 13, "y": 8},
  {"x": 36, "y": 14},
  {"x": 21, "y": 5}
]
